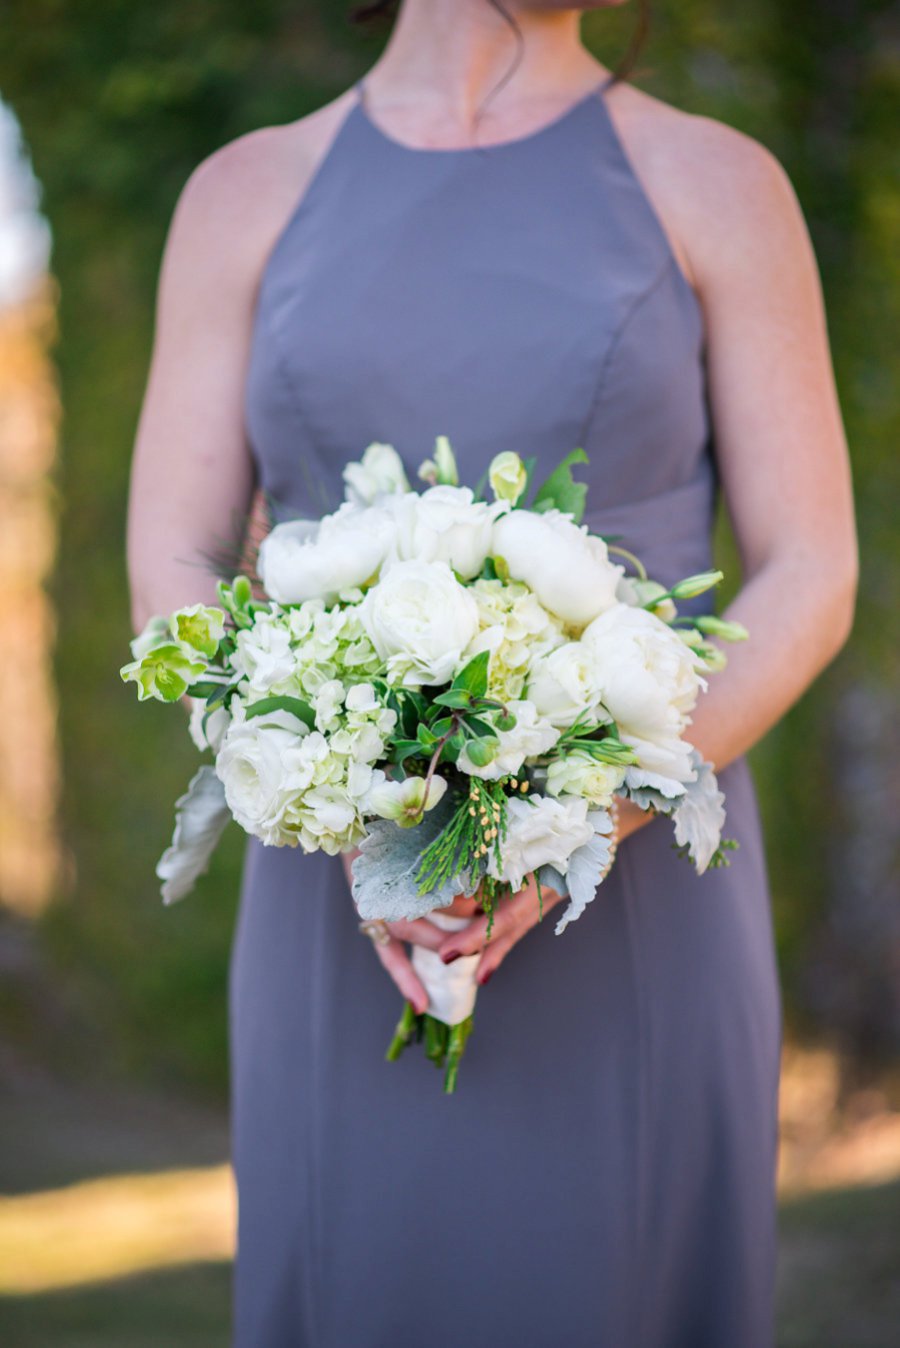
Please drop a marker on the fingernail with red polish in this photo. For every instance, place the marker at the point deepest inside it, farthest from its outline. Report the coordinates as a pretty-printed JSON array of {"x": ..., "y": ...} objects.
[
  {"x": 449, "y": 956},
  {"x": 483, "y": 978}
]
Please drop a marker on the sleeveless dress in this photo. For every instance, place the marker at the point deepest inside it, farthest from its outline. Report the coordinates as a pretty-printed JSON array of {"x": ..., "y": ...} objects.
[{"x": 604, "y": 1175}]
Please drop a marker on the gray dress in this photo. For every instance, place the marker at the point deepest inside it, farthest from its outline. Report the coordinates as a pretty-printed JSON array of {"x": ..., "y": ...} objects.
[{"x": 604, "y": 1176}]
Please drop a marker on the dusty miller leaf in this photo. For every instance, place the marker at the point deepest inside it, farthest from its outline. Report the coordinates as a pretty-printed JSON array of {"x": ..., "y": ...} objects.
[
  {"x": 200, "y": 818},
  {"x": 585, "y": 869},
  {"x": 700, "y": 816},
  {"x": 384, "y": 873}
]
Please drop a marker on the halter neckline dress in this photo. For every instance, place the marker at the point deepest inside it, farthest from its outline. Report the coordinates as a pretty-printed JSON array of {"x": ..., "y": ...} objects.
[{"x": 604, "y": 1175}]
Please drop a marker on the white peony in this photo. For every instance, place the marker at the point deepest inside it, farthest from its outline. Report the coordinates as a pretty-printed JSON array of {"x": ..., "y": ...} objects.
[
  {"x": 251, "y": 766},
  {"x": 530, "y": 736},
  {"x": 443, "y": 524},
  {"x": 420, "y": 620},
  {"x": 647, "y": 676},
  {"x": 379, "y": 472},
  {"x": 565, "y": 685},
  {"x": 306, "y": 559},
  {"x": 568, "y": 568},
  {"x": 541, "y": 831},
  {"x": 579, "y": 774}
]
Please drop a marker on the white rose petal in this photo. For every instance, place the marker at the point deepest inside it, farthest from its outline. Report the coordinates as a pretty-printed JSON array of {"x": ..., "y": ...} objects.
[{"x": 565, "y": 685}]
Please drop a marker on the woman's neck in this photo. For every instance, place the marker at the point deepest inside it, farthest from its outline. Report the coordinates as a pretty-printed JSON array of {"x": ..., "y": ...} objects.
[{"x": 444, "y": 58}]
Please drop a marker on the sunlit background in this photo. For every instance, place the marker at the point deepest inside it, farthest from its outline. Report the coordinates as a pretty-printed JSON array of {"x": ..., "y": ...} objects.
[{"x": 116, "y": 1218}]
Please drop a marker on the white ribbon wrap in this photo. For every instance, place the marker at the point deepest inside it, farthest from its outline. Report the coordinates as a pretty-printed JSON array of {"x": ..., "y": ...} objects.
[{"x": 451, "y": 988}]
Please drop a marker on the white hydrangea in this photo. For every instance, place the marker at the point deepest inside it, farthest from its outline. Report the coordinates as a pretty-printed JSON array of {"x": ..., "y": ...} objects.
[{"x": 516, "y": 629}]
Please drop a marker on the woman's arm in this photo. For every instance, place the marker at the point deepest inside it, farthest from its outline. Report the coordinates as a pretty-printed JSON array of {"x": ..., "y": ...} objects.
[
  {"x": 781, "y": 452},
  {"x": 192, "y": 476}
]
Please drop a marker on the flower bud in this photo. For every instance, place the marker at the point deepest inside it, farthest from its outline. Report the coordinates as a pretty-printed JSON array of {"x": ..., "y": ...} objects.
[
  {"x": 508, "y": 477},
  {"x": 691, "y": 586},
  {"x": 720, "y": 627}
]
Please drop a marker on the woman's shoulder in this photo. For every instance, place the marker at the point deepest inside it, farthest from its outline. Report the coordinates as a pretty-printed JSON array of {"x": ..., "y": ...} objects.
[
  {"x": 717, "y": 189},
  {"x": 237, "y": 199}
]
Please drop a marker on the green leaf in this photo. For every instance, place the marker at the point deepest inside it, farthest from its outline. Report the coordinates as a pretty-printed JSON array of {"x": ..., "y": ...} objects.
[
  {"x": 426, "y": 737},
  {"x": 560, "y": 491},
  {"x": 295, "y": 705},
  {"x": 474, "y": 676},
  {"x": 454, "y": 697},
  {"x": 478, "y": 728}
]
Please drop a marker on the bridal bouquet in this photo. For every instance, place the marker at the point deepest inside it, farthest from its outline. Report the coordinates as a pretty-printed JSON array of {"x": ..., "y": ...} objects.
[{"x": 455, "y": 684}]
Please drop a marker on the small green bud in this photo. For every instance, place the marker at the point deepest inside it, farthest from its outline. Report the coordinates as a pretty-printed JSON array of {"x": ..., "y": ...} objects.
[
  {"x": 691, "y": 586},
  {"x": 720, "y": 627},
  {"x": 482, "y": 751}
]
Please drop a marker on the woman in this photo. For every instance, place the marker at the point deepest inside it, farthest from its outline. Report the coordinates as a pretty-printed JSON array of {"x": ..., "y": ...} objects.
[{"x": 569, "y": 263}]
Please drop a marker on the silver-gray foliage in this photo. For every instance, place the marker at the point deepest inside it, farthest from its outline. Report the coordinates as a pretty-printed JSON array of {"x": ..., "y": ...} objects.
[{"x": 200, "y": 818}]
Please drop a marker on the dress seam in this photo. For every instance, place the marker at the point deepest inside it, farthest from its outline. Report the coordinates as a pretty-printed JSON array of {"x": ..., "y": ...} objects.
[{"x": 616, "y": 340}]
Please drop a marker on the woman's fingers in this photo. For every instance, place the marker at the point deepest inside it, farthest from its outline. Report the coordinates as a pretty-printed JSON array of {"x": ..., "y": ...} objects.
[
  {"x": 396, "y": 961},
  {"x": 512, "y": 918},
  {"x": 417, "y": 932}
]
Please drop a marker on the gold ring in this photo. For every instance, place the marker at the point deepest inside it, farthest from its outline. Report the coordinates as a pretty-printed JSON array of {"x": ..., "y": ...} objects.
[{"x": 377, "y": 930}]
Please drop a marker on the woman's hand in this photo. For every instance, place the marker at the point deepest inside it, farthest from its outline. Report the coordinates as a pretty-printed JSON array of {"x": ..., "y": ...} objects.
[
  {"x": 393, "y": 954},
  {"x": 513, "y": 917}
]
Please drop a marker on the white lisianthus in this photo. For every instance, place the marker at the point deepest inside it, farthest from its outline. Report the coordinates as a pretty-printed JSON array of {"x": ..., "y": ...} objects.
[
  {"x": 541, "y": 831},
  {"x": 444, "y": 524},
  {"x": 648, "y": 677},
  {"x": 405, "y": 802},
  {"x": 508, "y": 477},
  {"x": 516, "y": 629},
  {"x": 216, "y": 725},
  {"x": 568, "y": 568},
  {"x": 379, "y": 472},
  {"x": 565, "y": 685},
  {"x": 579, "y": 774},
  {"x": 251, "y": 765},
  {"x": 420, "y": 620},
  {"x": 305, "y": 559},
  {"x": 530, "y": 736}
]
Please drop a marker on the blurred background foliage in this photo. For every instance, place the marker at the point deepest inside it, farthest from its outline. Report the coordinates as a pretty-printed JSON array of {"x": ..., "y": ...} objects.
[{"x": 119, "y": 102}]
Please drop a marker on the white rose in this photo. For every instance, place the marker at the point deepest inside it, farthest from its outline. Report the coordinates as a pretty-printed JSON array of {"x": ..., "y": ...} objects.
[
  {"x": 578, "y": 774},
  {"x": 564, "y": 685},
  {"x": 444, "y": 524},
  {"x": 647, "y": 675},
  {"x": 380, "y": 471},
  {"x": 251, "y": 766},
  {"x": 568, "y": 568},
  {"x": 530, "y": 736},
  {"x": 420, "y": 620},
  {"x": 541, "y": 831},
  {"x": 305, "y": 559},
  {"x": 216, "y": 725}
]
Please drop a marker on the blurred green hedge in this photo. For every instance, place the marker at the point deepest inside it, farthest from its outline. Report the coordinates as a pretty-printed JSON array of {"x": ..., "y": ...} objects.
[{"x": 119, "y": 103}]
